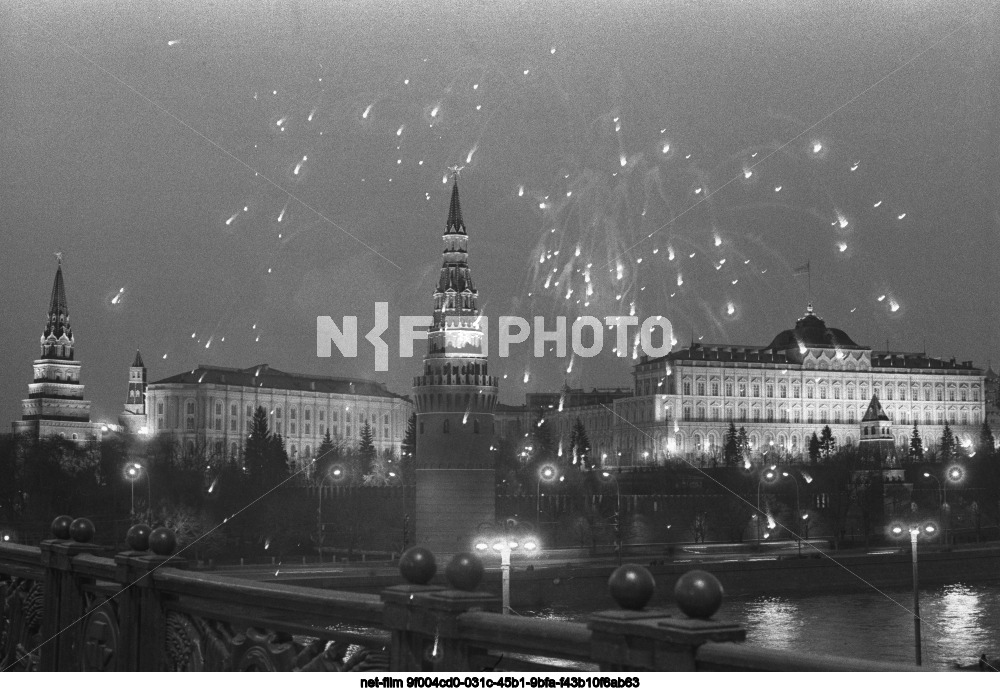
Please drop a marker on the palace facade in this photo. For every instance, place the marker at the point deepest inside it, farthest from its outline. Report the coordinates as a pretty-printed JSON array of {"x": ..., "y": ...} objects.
[
  {"x": 209, "y": 410},
  {"x": 808, "y": 377}
]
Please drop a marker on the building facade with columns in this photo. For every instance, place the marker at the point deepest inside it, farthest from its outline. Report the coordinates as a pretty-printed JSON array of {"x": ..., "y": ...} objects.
[
  {"x": 209, "y": 410},
  {"x": 808, "y": 377},
  {"x": 55, "y": 406}
]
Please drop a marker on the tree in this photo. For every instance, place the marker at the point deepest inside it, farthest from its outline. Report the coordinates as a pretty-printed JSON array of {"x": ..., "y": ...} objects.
[
  {"x": 579, "y": 445},
  {"x": 543, "y": 447},
  {"x": 367, "y": 454},
  {"x": 383, "y": 472},
  {"x": 731, "y": 451},
  {"x": 258, "y": 445},
  {"x": 408, "y": 450},
  {"x": 815, "y": 447},
  {"x": 916, "y": 445},
  {"x": 827, "y": 442},
  {"x": 946, "y": 448},
  {"x": 743, "y": 446},
  {"x": 987, "y": 445},
  {"x": 277, "y": 462}
]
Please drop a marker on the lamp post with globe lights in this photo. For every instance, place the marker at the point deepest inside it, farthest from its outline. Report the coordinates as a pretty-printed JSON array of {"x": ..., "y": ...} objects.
[
  {"x": 928, "y": 529},
  {"x": 618, "y": 515},
  {"x": 768, "y": 475},
  {"x": 133, "y": 472},
  {"x": 505, "y": 538},
  {"x": 546, "y": 473},
  {"x": 953, "y": 475},
  {"x": 335, "y": 474}
]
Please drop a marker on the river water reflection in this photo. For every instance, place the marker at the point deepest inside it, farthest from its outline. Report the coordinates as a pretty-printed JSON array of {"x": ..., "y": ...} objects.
[{"x": 959, "y": 621}]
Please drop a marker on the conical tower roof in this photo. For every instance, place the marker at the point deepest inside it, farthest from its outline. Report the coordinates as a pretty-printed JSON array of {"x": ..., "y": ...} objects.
[
  {"x": 137, "y": 363},
  {"x": 57, "y": 303},
  {"x": 874, "y": 411},
  {"x": 455, "y": 223}
]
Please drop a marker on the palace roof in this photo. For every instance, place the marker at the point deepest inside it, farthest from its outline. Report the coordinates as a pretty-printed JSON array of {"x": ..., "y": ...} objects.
[{"x": 266, "y": 377}]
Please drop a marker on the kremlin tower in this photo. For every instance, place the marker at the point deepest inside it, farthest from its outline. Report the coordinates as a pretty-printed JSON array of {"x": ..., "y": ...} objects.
[
  {"x": 55, "y": 405},
  {"x": 133, "y": 418},
  {"x": 455, "y": 399}
]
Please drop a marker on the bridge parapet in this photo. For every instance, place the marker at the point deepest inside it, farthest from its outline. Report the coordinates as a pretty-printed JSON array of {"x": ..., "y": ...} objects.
[{"x": 72, "y": 605}]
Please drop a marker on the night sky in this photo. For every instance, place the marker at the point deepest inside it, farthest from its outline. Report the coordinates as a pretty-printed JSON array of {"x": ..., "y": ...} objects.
[{"x": 217, "y": 174}]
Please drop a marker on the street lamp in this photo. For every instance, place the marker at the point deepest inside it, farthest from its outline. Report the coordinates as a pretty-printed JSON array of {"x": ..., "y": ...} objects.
[
  {"x": 915, "y": 530},
  {"x": 546, "y": 473},
  {"x": 334, "y": 474},
  {"x": 505, "y": 541},
  {"x": 618, "y": 515},
  {"x": 768, "y": 475},
  {"x": 133, "y": 471},
  {"x": 952, "y": 475},
  {"x": 798, "y": 509}
]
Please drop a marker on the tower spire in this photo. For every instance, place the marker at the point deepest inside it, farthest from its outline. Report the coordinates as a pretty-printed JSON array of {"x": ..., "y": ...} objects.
[
  {"x": 455, "y": 223},
  {"x": 57, "y": 339}
]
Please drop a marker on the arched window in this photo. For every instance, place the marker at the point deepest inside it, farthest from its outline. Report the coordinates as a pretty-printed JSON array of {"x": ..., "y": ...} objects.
[
  {"x": 445, "y": 427},
  {"x": 475, "y": 427}
]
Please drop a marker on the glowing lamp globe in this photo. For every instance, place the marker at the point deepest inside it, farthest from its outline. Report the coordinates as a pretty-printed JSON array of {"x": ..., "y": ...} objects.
[
  {"x": 631, "y": 586},
  {"x": 417, "y": 565},
  {"x": 698, "y": 594}
]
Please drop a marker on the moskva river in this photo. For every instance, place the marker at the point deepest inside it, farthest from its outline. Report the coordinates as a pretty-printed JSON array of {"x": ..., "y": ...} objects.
[{"x": 959, "y": 622}]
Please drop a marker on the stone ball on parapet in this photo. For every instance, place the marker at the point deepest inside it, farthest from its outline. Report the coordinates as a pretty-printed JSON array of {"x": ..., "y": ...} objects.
[
  {"x": 631, "y": 586},
  {"x": 138, "y": 537},
  {"x": 464, "y": 571},
  {"x": 60, "y": 527},
  {"x": 82, "y": 530},
  {"x": 162, "y": 541},
  {"x": 698, "y": 594},
  {"x": 417, "y": 565}
]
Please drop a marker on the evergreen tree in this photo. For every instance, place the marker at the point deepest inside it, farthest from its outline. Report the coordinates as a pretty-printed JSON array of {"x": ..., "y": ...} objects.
[
  {"x": 815, "y": 447},
  {"x": 916, "y": 445},
  {"x": 987, "y": 444},
  {"x": 946, "y": 448},
  {"x": 325, "y": 449},
  {"x": 731, "y": 449},
  {"x": 828, "y": 443},
  {"x": 383, "y": 472},
  {"x": 366, "y": 450},
  {"x": 742, "y": 446},
  {"x": 277, "y": 461},
  {"x": 408, "y": 450},
  {"x": 579, "y": 445},
  {"x": 258, "y": 445}
]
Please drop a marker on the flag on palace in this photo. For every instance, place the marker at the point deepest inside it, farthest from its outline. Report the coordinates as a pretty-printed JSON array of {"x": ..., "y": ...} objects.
[{"x": 804, "y": 269}]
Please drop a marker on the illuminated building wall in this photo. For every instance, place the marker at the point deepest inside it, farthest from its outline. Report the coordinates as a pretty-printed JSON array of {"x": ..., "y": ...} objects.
[{"x": 808, "y": 377}]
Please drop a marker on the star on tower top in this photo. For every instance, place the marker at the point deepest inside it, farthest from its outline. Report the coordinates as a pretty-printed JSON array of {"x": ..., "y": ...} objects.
[
  {"x": 59, "y": 257},
  {"x": 455, "y": 170}
]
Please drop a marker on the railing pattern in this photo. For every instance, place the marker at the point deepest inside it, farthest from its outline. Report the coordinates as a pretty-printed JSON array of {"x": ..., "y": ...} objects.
[{"x": 70, "y": 605}]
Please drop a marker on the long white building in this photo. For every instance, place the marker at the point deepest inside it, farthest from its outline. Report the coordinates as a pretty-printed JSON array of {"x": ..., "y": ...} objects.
[
  {"x": 808, "y": 377},
  {"x": 209, "y": 408}
]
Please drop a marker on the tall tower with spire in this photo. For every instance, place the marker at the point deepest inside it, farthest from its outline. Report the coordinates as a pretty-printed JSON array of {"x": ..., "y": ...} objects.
[
  {"x": 455, "y": 400},
  {"x": 133, "y": 418},
  {"x": 55, "y": 405}
]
